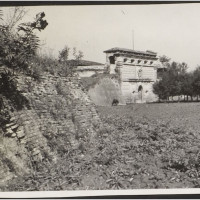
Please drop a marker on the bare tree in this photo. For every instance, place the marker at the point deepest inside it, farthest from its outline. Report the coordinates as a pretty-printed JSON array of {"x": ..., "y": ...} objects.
[
  {"x": 64, "y": 54},
  {"x": 14, "y": 16},
  {"x": 80, "y": 55},
  {"x": 77, "y": 55}
]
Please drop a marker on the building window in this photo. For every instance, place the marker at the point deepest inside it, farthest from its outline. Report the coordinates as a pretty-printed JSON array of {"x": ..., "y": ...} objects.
[
  {"x": 145, "y": 62},
  {"x": 112, "y": 60},
  {"x": 132, "y": 60},
  {"x": 125, "y": 59},
  {"x": 139, "y": 61},
  {"x": 140, "y": 88},
  {"x": 151, "y": 62}
]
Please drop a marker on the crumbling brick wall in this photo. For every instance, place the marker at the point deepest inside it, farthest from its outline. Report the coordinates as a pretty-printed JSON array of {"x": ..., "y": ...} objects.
[{"x": 57, "y": 105}]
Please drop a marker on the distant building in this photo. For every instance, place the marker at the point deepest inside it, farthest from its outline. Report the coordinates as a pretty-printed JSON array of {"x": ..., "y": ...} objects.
[
  {"x": 138, "y": 72},
  {"x": 88, "y": 68}
]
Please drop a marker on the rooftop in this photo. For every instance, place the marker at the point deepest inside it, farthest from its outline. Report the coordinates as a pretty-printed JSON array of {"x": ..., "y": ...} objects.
[
  {"x": 84, "y": 62},
  {"x": 91, "y": 68},
  {"x": 124, "y": 50}
]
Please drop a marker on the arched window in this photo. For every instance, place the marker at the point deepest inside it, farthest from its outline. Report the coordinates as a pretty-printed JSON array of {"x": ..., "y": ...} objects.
[
  {"x": 132, "y": 60},
  {"x": 140, "y": 88},
  {"x": 125, "y": 59},
  {"x": 145, "y": 62},
  {"x": 139, "y": 61}
]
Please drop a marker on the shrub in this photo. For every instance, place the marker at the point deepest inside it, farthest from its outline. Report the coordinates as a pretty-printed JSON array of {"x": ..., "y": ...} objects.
[
  {"x": 36, "y": 72},
  {"x": 8, "y": 88},
  {"x": 16, "y": 49}
]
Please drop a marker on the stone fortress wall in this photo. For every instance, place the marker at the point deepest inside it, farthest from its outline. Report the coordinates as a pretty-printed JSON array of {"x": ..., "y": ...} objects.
[
  {"x": 51, "y": 112},
  {"x": 105, "y": 91}
]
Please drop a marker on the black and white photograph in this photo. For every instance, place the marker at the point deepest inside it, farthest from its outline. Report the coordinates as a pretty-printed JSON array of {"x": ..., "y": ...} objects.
[{"x": 99, "y": 97}]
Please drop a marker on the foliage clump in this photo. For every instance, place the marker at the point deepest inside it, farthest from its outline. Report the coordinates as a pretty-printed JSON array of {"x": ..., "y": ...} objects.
[
  {"x": 174, "y": 80},
  {"x": 17, "y": 48}
]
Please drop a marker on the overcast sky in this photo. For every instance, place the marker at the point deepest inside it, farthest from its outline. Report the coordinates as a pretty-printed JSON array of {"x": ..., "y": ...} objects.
[{"x": 171, "y": 30}]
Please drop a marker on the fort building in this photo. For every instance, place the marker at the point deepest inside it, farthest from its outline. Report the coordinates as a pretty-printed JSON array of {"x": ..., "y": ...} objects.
[
  {"x": 138, "y": 72},
  {"x": 89, "y": 68}
]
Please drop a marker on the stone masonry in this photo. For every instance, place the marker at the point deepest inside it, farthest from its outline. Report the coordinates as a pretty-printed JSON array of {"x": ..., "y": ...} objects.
[{"x": 57, "y": 105}]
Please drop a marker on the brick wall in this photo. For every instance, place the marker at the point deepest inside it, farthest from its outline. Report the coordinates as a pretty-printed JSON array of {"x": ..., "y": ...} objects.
[{"x": 57, "y": 105}]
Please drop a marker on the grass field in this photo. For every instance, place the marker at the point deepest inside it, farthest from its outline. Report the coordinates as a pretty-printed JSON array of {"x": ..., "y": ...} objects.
[
  {"x": 137, "y": 146},
  {"x": 181, "y": 115},
  {"x": 154, "y": 145}
]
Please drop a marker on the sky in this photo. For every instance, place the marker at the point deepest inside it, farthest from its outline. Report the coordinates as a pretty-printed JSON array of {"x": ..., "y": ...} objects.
[{"x": 168, "y": 29}]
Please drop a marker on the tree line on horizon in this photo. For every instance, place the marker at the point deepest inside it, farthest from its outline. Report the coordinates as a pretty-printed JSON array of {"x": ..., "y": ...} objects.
[{"x": 175, "y": 80}]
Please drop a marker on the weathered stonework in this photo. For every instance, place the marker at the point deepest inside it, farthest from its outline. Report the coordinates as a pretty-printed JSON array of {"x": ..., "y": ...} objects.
[
  {"x": 105, "y": 91},
  {"x": 138, "y": 72},
  {"x": 57, "y": 105}
]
